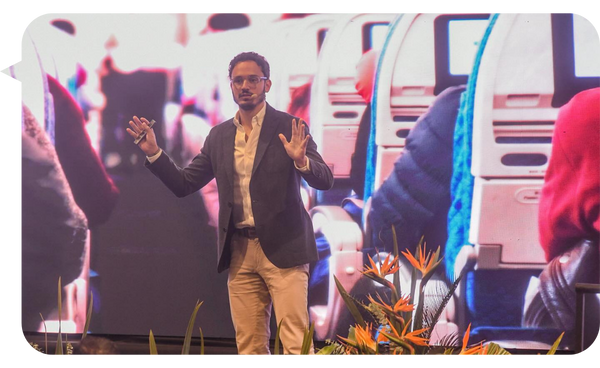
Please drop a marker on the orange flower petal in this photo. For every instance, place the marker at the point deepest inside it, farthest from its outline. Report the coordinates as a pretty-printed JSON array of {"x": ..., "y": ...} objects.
[{"x": 412, "y": 260}]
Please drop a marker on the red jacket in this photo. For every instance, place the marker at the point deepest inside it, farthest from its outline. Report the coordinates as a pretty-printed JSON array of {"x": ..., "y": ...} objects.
[
  {"x": 570, "y": 199},
  {"x": 93, "y": 190}
]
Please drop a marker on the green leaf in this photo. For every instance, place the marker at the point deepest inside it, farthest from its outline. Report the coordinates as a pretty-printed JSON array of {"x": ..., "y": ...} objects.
[
  {"x": 350, "y": 303},
  {"x": 277, "y": 341},
  {"x": 59, "y": 343},
  {"x": 554, "y": 347},
  {"x": 45, "y": 333},
  {"x": 413, "y": 284},
  {"x": 201, "y": 342},
  {"x": 418, "y": 316},
  {"x": 188, "y": 334},
  {"x": 495, "y": 349},
  {"x": 327, "y": 350},
  {"x": 436, "y": 262},
  {"x": 88, "y": 317},
  {"x": 307, "y": 342},
  {"x": 400, "y": 342},
  {"x": 397, "y": 273},
  {"x": 152, "y": 342},
  {"x": 443, "y": 305},
  {"x": 421, "y": 242}
]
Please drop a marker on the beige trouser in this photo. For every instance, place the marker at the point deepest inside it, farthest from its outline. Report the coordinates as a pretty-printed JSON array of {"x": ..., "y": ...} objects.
[{"x": 254, "y": 282}]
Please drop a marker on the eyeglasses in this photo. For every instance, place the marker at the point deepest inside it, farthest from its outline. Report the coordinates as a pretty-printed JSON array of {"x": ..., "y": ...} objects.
[{"x": 252, "y": 80}]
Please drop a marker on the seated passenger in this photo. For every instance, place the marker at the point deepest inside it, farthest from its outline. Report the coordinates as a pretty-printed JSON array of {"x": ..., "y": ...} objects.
[
  {"x": 569, "y": 214},
  {"x": 415, "y": 198},
  {"x": 93, "y": 190},
  {"x": 54, "y": 228},
  {"x": 570, "y": 200}
]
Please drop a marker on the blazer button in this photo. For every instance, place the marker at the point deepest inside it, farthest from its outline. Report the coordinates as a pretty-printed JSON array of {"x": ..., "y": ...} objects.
[
  {"x": 229, "y": 204},
  {"x": 224, "y": 230}
]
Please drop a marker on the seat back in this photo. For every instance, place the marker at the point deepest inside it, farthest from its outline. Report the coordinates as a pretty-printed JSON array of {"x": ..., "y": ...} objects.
[
  {"x": 513, "y": 115},
  {"x": 417, "y": 63},
  {"x": 490, "y": 204},
  {"x": 511, "y": 105},
  {"x": 299, "y": 61},
  {"x": 336, "y": 107},
  {"x": 513, "y": 122}
]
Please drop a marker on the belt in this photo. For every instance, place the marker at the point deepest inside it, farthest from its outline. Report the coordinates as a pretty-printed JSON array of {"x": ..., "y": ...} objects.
[{"x": 247, "y": 232}]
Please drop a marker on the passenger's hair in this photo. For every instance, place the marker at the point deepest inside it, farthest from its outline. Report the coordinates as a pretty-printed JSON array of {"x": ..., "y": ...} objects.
[{"x": 250, "y": 56}]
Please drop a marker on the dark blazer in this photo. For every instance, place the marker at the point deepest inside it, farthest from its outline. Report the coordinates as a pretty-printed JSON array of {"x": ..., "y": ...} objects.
[{"x": 283, "y": 226}]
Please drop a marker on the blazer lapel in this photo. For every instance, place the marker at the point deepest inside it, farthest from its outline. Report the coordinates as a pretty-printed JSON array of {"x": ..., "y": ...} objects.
[{"x": 267, "y": 132}]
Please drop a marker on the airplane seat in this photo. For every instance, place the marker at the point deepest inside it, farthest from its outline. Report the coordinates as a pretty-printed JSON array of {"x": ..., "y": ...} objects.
[
  {"x": 414, "y": 70},
  {"x": 554, "y": 304},
  {"x": 510, "y": 107},
  {"x": 417, "y": 65},
  {"x": 407, "y": 86},
  {"x": 344, "y": 239},
  {"x": 485, "y": 302},
  {"x": 410, "y": 29},
  {"x": 300, "y": 62},
  {"x": 513, "y": 121},
  {"x": 336, "y": 107},
  {"x": 406, "y": 82},
  {"x": 404, "y": 89},
  {"x": 335, "y": 112},
  {"x": 505, "y": 311}
]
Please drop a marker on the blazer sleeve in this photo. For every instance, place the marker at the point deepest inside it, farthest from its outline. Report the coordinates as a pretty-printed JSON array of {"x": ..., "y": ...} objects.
[
  {"x": 319, "y": 176},
  {"x": 184, "y": 181}
]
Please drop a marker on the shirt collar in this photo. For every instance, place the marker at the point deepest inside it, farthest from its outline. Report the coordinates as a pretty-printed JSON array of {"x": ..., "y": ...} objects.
[{"x": 257, "y": 119}]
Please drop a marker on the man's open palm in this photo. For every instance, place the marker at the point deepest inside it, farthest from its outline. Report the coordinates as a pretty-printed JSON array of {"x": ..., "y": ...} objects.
[{"x": 296, "y": 147}]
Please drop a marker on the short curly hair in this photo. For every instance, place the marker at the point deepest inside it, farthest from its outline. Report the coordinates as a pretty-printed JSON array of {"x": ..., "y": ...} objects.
[{"x": 251, "y": 56}]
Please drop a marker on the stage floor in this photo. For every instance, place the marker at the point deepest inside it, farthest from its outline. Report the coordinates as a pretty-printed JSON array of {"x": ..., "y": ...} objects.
[{"x": 137, "y": 346}]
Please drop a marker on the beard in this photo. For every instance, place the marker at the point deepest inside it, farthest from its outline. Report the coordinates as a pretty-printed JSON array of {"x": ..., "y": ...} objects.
[{"x": 249, "y": 105}]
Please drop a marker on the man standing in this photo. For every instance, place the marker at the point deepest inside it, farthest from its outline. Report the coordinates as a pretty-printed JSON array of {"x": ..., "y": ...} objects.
[{"x": 266, "y": 237}]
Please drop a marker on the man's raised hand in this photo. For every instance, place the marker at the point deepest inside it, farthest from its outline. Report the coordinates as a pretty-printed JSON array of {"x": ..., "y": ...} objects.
[
  {"x": 296, "y": 147},
  {"x": 147, "y": 144}
]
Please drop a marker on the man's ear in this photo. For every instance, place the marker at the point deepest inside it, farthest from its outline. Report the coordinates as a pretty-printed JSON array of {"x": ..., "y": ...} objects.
[{"x": 267, "y": 85}]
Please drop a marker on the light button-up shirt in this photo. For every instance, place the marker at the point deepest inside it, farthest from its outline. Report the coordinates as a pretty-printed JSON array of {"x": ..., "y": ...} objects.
[
  {"x": 244, "y": 152},
  {"x": 243, "y": 162}
]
